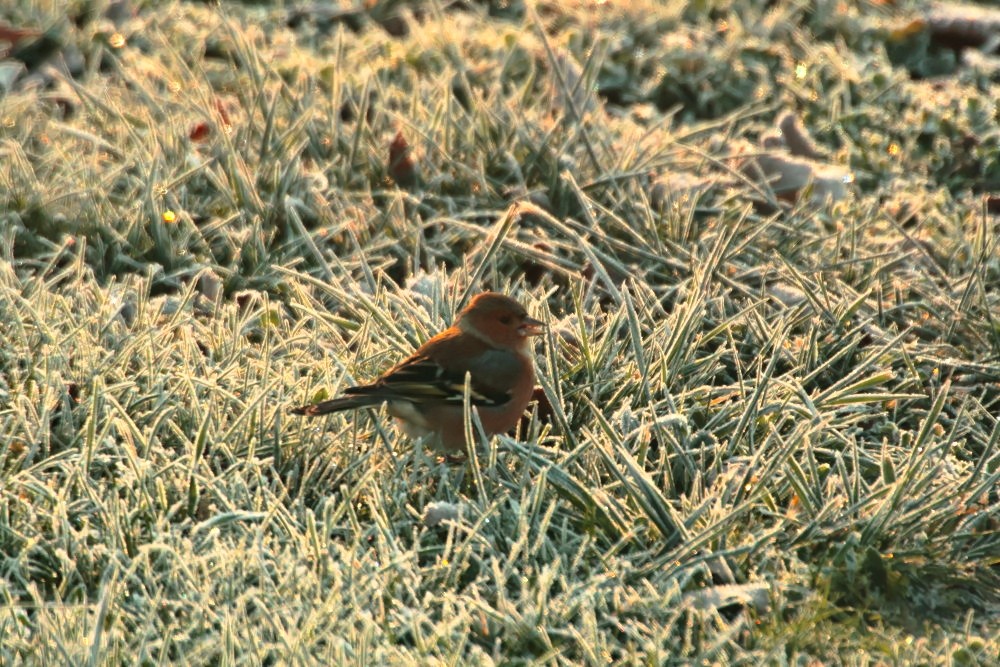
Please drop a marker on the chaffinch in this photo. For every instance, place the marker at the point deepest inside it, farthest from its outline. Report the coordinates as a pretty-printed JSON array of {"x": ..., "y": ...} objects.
[{"x": 491, "y": 342}]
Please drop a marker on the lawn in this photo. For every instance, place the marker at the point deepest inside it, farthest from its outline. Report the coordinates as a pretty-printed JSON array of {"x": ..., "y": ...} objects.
[{"x": 763, "y": 236}]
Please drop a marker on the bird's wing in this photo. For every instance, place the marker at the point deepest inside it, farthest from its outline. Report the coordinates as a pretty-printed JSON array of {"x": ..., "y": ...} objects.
[
  {"x": 436, "y": 372},
  {"x": 421, "y": 379}
]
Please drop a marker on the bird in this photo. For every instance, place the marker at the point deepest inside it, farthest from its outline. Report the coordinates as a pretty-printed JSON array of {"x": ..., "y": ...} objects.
[{"x": 490, "y": 342}]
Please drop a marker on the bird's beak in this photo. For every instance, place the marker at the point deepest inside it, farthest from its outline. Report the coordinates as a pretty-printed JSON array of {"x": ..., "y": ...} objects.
[{"x": 531, "y": 327}]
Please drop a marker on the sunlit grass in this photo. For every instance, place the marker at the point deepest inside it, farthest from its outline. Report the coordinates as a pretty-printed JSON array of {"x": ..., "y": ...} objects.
[{"x": 769, "y": 432}]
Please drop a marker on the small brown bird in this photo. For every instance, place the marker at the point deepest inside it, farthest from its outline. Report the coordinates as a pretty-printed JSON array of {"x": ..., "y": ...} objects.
[{"x": 491, "y": 342}]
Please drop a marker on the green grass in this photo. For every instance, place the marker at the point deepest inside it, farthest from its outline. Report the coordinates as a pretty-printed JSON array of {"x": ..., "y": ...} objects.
[{"x": 772, "y": 432}]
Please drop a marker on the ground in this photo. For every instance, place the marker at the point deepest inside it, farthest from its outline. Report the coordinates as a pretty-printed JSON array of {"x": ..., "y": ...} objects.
[{"x": 763, "y": 236}]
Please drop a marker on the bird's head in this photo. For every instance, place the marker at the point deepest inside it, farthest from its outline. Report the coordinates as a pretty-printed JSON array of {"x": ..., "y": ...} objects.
[{"x": 499, "y": 319}]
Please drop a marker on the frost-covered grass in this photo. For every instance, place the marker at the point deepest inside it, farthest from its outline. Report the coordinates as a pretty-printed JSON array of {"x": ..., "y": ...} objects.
[{"x": 769, "y": 430}]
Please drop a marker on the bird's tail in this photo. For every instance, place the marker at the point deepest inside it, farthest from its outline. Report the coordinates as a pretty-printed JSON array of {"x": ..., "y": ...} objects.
[{"x": 336, "y": 405}]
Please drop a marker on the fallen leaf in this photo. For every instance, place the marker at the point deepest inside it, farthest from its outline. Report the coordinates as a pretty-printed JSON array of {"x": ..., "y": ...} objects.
[
  {"x": 402, "y": 167},
  {"x": 200, "y": 131}
]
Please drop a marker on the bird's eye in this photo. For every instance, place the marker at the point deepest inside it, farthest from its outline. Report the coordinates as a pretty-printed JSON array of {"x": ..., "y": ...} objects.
[{"x": 506, "y": 319}]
